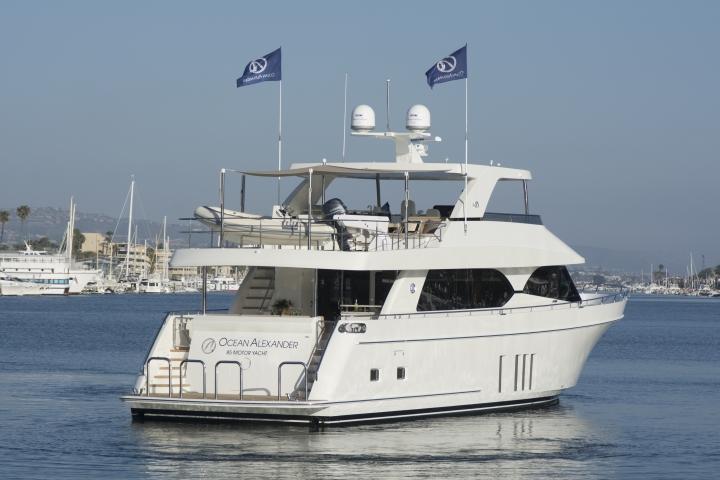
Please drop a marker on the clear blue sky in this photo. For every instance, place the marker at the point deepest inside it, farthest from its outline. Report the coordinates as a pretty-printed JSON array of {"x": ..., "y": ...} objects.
[{"x": 612, "y": 105}]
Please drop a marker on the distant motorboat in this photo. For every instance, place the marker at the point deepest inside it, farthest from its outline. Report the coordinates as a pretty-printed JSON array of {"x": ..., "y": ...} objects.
[{"x": 153, "y": 284}]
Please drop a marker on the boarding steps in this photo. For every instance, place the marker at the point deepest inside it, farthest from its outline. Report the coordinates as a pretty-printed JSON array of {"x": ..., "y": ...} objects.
[
  {"x": 158, "y": 384},
  {"x": 328, "y": 327},
  {"x": 257, "y": 290}
]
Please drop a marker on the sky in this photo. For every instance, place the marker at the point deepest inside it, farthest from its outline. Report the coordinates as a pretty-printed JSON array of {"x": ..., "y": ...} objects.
[{"x": 613, "y": 105}]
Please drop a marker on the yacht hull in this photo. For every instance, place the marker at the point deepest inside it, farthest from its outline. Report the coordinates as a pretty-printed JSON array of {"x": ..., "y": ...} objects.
[
  {"x": 489, "y": 361},
  {"x": 313, "y": 413},
  {"x": 10, "y": 288}
]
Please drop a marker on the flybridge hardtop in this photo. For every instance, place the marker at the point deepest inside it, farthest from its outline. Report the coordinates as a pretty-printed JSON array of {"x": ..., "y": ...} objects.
[
  {"x": 486, "y": 245},
  {"x": 377, "y": 313}
]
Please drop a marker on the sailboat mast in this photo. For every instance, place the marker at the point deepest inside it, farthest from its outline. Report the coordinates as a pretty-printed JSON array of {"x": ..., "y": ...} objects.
[
  {"x": 129, "y": 235},
  {"x": 70, "y": 230},
  {"x": 165, "y": 249},
  {"x": 692, "y": 272}
]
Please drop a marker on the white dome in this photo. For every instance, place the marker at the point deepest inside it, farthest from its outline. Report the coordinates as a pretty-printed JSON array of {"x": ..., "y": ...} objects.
[
  {"x": 418, "y": 118},
  {"x": 363, "y": 118}
]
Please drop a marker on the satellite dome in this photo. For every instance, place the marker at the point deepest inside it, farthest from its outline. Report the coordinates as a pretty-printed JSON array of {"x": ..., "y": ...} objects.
[
  {"x": 363, "y": 118},
  {"x": 418, "y": 118}
]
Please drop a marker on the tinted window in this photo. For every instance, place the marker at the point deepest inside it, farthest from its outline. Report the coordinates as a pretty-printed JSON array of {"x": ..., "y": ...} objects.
[
  {"x": 464, "y": 289},
  {"x": 552, "y": 282},
  {"x": 337, "y": 287}
]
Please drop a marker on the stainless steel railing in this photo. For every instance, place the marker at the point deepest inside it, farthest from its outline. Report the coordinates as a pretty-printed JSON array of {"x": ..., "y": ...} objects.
[
  {"x": 301, "y": 234},
  {"x": 147, "y": 374},
  {"x": 282, "y": 364},
  {"x": 229, "y": 362},
  {"x": 182, "y": 364}
]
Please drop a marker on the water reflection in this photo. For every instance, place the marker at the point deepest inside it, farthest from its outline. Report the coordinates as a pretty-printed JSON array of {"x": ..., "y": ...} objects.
[{"x": 528, "y": 444}]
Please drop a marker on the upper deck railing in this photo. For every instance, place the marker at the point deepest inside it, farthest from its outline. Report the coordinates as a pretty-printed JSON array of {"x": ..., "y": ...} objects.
[
  {"x": 359, "y": 232},
  {"x": 353, "y": 235},
  {"x": 21, "y": 258}
]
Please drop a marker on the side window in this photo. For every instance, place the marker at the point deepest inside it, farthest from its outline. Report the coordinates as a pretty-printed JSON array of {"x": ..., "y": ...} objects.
[
  {"x": 552, "y": 282},
  {"x": 464, "y": 289}
]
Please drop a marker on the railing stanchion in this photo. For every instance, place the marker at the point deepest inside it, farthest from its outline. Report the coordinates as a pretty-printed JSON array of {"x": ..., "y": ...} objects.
[
  {"x": 229, "y": 362},
  {"x": 188, "y": 360},
  {"x": 147, "y": 375},
  {"x": 309, "y": 224},
  {"x": 282, "y": 364},
  {"x": 376, "y": 236}
]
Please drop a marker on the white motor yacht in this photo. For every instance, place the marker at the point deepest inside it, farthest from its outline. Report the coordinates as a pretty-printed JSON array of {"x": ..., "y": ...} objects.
[
  {"x": 365, "y": 315},
  {"x": 38, "y": 272},
  {"x": 14, "y": 286}
]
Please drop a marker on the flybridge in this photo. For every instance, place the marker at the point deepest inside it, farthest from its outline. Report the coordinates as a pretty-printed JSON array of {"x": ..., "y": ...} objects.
[{"x": 307, "y": 220}]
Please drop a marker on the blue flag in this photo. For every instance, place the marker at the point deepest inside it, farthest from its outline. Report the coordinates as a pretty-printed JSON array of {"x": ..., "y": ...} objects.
[
  {"x": 452, "y": 67},
  {"x": 264, "y": 69}
]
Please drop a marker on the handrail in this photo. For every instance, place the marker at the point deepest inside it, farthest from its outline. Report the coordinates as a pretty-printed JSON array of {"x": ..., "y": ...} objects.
[
  {"x": 190, "y": 360},
  {"x": 147, "y": 375},
  {"x": 282, "y": 364},
  {"x": 296, "y": 229},
  {"x": 354, "y": 307},
  {"x": 606, "y": 299},
  {"x": 327, "y": 326},
  {"x": 229, "y": 362}
]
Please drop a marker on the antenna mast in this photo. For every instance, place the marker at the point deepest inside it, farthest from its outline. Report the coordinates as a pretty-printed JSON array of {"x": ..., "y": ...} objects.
[
  {"x": 129, "y": 235},
  {"x": 345, "y": 117},
  {"x": 387, "y": 103}
]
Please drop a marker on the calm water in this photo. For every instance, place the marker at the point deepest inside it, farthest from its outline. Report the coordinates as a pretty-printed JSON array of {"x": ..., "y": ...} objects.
[{"x": 647, "y": 405}]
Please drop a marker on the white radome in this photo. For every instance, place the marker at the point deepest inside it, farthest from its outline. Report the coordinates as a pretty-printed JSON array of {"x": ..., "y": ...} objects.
[
  {"x": 418, "y": 118},
  {"x": 363, "y": 118}
]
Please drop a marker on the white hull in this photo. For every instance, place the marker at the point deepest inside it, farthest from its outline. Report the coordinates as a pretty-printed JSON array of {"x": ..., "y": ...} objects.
[
  {"x": 483, "y": 361},
  {"x": 11, "y": 288}
]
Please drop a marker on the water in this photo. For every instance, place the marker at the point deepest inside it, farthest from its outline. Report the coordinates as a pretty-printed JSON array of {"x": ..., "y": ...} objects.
[{"x": 647, "y": 405}]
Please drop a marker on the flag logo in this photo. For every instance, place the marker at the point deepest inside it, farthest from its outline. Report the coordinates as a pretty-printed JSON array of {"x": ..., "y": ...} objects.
[
  {"x": 267, "y": 68},
  {"x": 258, "y": 66},
  {"x": 452, "y": 67},
  {"x": 447, "y": 64}
]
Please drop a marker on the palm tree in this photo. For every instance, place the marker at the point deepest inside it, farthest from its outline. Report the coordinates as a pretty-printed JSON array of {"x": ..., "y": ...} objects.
[
  {"x": 23, "y": 212},
  {"x": 4, "y": 218}
]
